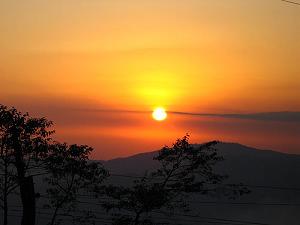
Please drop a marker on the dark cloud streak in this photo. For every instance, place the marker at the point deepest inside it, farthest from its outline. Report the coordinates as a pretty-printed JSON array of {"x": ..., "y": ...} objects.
[{"x": 265, "y": 116}]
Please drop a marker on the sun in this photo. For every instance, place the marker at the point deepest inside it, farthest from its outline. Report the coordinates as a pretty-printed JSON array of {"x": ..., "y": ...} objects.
[{"x": 159, "y": 114}]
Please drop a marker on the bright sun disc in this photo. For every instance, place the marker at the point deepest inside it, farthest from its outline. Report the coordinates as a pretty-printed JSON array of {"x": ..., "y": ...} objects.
[{"x": 159, "y": 114}]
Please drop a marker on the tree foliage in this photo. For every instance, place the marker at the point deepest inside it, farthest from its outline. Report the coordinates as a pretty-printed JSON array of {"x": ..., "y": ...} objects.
[
  {"x": 184, "y": 169},
  {"x": 71, "y": 174},
  {"x": 27, "y": 150},
  {"x": 24, "y": 143}
]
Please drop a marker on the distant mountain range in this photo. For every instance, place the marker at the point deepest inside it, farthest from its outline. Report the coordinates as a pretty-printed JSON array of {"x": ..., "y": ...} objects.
[
  {"x": 241, "y": 163},
  {"x": 273, "y": 178}
]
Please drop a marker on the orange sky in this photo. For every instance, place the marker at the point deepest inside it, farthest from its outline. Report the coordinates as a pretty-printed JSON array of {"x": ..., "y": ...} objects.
[{"x": 59, "y": 58}]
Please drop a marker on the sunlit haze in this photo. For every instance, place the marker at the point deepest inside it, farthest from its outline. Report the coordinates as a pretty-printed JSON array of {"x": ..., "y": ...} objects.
[{"x": 99, "y": 68}]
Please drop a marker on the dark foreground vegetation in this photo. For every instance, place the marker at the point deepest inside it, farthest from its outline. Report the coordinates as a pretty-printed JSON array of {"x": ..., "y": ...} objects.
[{"x": 28, "y": 153}]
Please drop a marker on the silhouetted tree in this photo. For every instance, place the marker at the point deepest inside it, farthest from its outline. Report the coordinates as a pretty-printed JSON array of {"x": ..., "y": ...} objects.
[
  {"x": 8, "y": 182},
  {"x": 27, "y": 150},
  {"x": 24, "y": 143},
  {"x": 184, "y": 169},
  {"x": 71, "y": 174}
]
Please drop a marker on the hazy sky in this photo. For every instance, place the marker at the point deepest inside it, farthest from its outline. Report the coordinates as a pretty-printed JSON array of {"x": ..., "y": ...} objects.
[{"x": 65, "y": 58}]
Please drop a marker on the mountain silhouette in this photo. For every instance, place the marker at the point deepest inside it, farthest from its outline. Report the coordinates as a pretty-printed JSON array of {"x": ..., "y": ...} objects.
[
  {"x": 241, "y": 163},
  {"x": 272, "y": 177}
]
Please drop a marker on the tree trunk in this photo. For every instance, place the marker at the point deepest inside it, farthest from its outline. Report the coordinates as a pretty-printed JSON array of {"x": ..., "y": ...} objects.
[
  {"x": 137, "y": 219},
  {"x": 54, "y": 216},
  {"x": 25, "y": 182},
  {"x": 5, "y": 214},
  {"x": 5, "y": 208},
  {"x": 28, "y": 201},
  {"x": 5, "y": 193}
]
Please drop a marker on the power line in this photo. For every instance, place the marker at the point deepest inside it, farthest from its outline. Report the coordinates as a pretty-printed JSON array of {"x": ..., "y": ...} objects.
[
  {"x": 194, "y": 218},
  {"x": 245, "y": 203},
  {"x": 291, "y": 2},
  {"x": 105, "y": 199},
  {"x": 246, "y": 185},
  {"x": 281, "y": 204},
  {"x": 273, "y": 187},
  {"x": 66, "y": 215},
  {"x": 220, "y": 220},
  {"x": 214, "y": 218}
]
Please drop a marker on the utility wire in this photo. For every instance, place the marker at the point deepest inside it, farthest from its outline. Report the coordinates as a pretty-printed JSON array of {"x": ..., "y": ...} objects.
[
  {"x": 189, "y": 218},
  {"x": 214, "y": 218},
  {"x": 202, "y": 218},
  {"x": 246, "y": 185},
  {"x": 291, "y": 2}
]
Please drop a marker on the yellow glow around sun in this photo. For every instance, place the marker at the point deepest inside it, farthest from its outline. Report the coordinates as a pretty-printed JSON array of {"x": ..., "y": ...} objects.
[{"x": 159, "y": 114}]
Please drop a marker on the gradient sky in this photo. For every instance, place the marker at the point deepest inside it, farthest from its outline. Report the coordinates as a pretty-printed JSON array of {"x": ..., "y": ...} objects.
[{"x": 70, "y": 59}]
